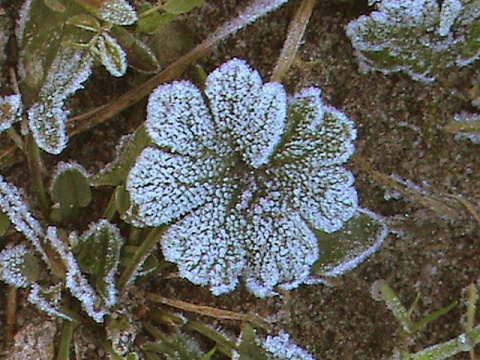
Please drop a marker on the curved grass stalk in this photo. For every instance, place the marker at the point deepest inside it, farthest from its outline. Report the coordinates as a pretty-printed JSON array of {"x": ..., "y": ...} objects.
[{"x": 296, "y": 30}]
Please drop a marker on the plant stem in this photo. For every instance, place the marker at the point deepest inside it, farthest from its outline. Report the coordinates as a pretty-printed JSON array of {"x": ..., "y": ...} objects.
[
  {"x": 296, "y": 30},
  {"x": 210, "y": 311},
  {"x": 35, "y": 166},
  {"x": 66, "y": 340},
  {"x": 142, "y": 253},
  {"x": 11, "y": 314}
]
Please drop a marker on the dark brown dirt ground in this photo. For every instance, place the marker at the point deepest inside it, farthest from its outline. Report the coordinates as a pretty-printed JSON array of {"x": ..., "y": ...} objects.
[{"x": 399, "y": 123}]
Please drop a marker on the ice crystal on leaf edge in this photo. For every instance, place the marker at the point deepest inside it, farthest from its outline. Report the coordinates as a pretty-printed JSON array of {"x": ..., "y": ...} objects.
[{"x": 242, "y": 180}]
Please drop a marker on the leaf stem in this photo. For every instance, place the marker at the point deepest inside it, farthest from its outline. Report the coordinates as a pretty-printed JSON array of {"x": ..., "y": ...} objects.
[
  {"x": 11, "y": 314},
  {"x": 35, "y": 166},
  {"x": 296, "y": 30},
  {"x": 66, "y": 340}
]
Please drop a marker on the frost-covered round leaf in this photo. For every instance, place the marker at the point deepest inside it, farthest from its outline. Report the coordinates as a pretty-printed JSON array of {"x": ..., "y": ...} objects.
[
  {"x": 10, "y": 111},
  {"x": 47, "y": 118},
  {"x": 242, "y": 181},
  {"x": 111, "y": 55}
]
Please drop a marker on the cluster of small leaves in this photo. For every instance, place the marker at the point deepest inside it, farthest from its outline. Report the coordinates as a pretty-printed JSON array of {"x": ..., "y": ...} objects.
[
  {"x": 97, "y": 294},
  {"x": 417, "y": 36},
  {"x": 244, "y": 181},
  {"x": 59, "y": 46}
]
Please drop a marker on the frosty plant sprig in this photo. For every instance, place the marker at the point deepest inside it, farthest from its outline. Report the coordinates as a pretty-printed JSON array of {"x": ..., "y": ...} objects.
[
  {"x": 242, "y": 178},
  {"x": 419, "y": 37},
  {"x": 59, "y": 46}
]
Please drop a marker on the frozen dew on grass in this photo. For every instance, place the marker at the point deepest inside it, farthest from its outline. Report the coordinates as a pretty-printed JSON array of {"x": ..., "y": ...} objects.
[
  {"x": 243, "y": 178},
  {"x": 419, "y": 37}
]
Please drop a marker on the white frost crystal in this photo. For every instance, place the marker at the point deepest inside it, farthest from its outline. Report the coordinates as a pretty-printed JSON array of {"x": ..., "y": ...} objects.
[
  {"x": 243, "y": 177},
  {"x": 12, "y": 261},
  {"x": 281, "y": 348}
]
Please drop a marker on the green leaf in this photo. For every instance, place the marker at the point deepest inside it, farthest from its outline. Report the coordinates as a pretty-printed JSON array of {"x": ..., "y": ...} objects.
[
  {"x": 139, "y": 55},
  {"x": 115, "y": 173},
  {"x": 152, "y": 21},
  {"x": 111, "y": 55},
  {"x": 97, "y": 252},
  {"x": 178, "y": 7},
  {"x": 70, "y": 190},
  {"x": 348, "y": 247}
]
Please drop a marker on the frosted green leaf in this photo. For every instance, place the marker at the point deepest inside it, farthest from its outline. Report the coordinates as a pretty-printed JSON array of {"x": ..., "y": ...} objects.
[
  {"x": 69, "y": 189},
  {"x": 10, "y": 111},
  {"x": 111, "y": 55},
  {"x": 417, "y": 36},
  {"x": 13, "y": 262},
  {"x": 13, "y": 205},
  {"x": 344, "y": 250},
  {"x": 48, "y": 300},
  {"x": 97, "y": 252},
  {"x": 243, "y": 181},
  {"x": 118, "y": 12},
  {"x": 48, "y": 126},
  {"x": 76, "y": 282},
  {"x": 47, "y": 118}
]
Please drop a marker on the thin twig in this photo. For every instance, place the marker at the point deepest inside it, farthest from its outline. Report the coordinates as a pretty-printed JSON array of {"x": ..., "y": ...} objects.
[
  {"x": 11, "y": 314},
  {"x": 210, "y": 311},
  {"x": 296, "y": 30}
]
